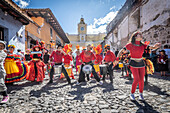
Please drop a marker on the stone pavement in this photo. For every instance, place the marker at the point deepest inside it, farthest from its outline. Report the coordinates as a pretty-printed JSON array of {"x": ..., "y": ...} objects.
[{"x": 30, "y": 97}]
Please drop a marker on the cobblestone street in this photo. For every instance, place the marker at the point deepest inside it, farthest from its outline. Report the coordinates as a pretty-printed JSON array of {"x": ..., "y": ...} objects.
[{"x": 28, "y": 97}]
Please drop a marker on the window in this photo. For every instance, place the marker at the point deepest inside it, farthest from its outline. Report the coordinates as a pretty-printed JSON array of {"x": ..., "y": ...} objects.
[
  {"x": 1, "y": 34},
  {"x": 51, "y": 32}
]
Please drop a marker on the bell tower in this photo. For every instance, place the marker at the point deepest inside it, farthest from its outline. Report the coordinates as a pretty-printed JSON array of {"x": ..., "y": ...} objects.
[{"x": 82, "y": 29}]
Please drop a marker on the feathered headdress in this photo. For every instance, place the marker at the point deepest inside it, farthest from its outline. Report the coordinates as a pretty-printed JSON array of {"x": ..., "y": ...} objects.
[
  {"x": 67, "y": 48},
  {"x": 77, "y": 47},
  {"x": 70, "y": 45},
  {"x": 98, "y": 49},
  {"x": 107, "y": 45},
  {"x": 147, "y": 42},
  {"x": 11, "y": 46},
  {"x": 42, "y": 42}
]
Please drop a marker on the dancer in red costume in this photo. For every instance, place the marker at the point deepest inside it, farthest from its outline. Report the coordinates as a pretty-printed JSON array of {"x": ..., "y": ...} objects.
[
  {"x": 87, "y": 57},
  {"x": 108, "y": 60},
  {"x": 136, "y": 48},
  {"x": 56, "y": 58},
  {"x": 67, "y": 61},
  {"x": 98, "y": 59}
]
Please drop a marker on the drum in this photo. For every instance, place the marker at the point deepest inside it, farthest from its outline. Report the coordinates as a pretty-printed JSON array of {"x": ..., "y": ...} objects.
[
  {"x": 103, "y": 69},
  {"x": 120, "y": 65},
  {"x": 57, "y": 69},
  {"x": 68, "y": 69},
  {"x": 87, "y": 69}
]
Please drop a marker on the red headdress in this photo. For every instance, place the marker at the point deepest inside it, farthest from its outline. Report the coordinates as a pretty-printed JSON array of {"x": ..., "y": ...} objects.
[
  {"x": 67, "y": 48},
  {"x": 98, "y": 49},
  {"x": 70, "y": 45},
  {"x": 147, "y": 42},
  {"x": 37, "y": 46}
]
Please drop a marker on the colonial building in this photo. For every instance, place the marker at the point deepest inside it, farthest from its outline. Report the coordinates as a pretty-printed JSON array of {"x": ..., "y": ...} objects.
[
  {"x": 45, "y": 27},
  {"x": 12, "y": 21},
  {"x": 151, "y": 17},
  {"x": 82, "y": 38}
]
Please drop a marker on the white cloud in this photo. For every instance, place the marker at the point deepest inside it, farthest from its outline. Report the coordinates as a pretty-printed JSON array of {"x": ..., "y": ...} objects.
[
  {"x": 99, "y": 25},
  {"x": 22, "y": 3}
]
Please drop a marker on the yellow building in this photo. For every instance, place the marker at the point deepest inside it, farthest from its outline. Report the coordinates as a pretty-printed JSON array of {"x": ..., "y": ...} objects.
[{"x": 82, "y": 38}]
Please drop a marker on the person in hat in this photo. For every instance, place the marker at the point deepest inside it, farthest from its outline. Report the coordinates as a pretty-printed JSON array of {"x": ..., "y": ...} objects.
[
  {"x": 98, "y": 59},
  {"x": 67, "y": 61},
  {"x": 36, "y": 71},
  {"x": 56, "y": 59},
  {"x": 15, "y": 69},
  {"x": 108, "y": 60},
  {"x": 136, "y": 48},
  {"x": 162, "y": 61},
  {"x": 88, "y": 57},
  {"x": 3, "y": 88}
]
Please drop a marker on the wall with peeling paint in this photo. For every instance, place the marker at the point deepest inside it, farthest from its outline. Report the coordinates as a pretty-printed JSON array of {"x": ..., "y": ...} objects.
[{"x": 151, "y": 17}]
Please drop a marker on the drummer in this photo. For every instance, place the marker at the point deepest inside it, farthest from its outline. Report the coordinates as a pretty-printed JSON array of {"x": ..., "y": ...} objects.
[
  {"x": 108, "y": 60},
  {"x": 56, "y": 57},
  {"x": 87, "y": 57}
]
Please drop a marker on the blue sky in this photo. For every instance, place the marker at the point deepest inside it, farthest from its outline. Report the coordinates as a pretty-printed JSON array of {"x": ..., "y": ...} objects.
[{"x": 97, "y": 13}]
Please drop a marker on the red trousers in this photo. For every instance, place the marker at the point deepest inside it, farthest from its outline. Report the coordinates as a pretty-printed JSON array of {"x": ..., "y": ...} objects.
[{"x": 138, "y": 75}]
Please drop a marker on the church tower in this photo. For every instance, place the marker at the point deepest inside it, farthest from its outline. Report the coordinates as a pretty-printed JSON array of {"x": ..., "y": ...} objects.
[{"x": 82, "y": 30}]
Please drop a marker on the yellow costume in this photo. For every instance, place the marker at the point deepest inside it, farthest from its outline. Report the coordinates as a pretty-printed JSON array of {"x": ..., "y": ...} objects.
[{"x": 10, "y": 65}]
